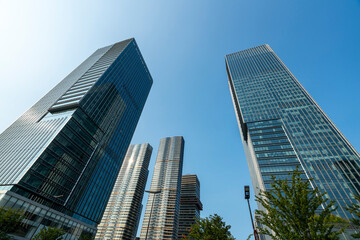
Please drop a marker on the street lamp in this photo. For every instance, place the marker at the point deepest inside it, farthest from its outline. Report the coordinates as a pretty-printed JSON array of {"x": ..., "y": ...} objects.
[
  {"x": 247, "y": 197},
  {"x": 152, "y": 204}
]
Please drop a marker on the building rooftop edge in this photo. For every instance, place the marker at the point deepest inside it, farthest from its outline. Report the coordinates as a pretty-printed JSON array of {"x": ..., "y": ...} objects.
[
  {"x": 263, "y": 45},
  {"x": 129, "y": 40}
]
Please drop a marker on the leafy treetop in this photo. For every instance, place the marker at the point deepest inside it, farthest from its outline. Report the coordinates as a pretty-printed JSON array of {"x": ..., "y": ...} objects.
[
  {"x": 50, "y": 233},
  {"x": 212, "y": 227},
  {"x": 296, "y": 211},
  {"x": 10, "y": 220},
  {"x": 355, "y": 209}
]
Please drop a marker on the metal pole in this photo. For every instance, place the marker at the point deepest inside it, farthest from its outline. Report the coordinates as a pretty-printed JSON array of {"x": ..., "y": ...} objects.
[
  {"x": 252, "y": 221},
  {"x": 256, "y": 236}
]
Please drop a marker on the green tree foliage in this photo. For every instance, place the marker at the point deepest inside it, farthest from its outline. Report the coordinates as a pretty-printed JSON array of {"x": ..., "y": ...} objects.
[
  {"x": 4, "y": 236},
  {"x": 86, "y": 236},
  {"x": 355, "y": 209},
  {"x": 212, "y": 228},
  {"x": 10, "y": 220},
  {"x": 249, "y": 237},
  {"x": 291, "y": 211},
  {"x": 49, "y": 233}
]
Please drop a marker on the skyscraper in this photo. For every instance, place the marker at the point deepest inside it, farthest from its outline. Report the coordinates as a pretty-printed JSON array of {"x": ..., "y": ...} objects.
[
  {"x": 60, "y": 159},
  {"x": 190, "y": 204},
  {"x": 162, "y": 209},
  {"x": 282, "y": 128},
  {"x": 123, "y": 210}
]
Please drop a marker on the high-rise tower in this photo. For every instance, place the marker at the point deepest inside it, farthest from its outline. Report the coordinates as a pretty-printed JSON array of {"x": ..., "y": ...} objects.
[
  {"x": 162, "y": 209},
  {"x": 282, "y": 128},
  {"x": 190, "y": 204},
  {"x": 123, "y": 210},
  {"x": 60, "y": 159}
]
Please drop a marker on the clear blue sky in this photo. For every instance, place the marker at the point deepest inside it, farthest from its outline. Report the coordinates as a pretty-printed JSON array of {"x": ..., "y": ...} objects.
[{"x": 184, "y": 43}]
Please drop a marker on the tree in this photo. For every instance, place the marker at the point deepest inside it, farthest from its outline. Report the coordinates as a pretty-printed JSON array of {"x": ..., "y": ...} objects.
[
  {"x": 212, "y": 227},
  {"x": 10, "y": 220},
  {"x": 354, "y": 208},
  {"x": 249, "y": 237},
  {"x": 292, "y": 211},
  {"x": 49, "y": 233},
  {"x": 86, "y": 236}
]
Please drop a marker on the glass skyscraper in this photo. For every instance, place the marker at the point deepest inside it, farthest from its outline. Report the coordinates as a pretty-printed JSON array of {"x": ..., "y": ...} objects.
[
  {"x": 60, "y": 159},
  {"x": 164, "y": 206},
  {"x": 123, "y": 210},
  {"x": 283, "y": 128},
  {"x": 190, "y": 204}
]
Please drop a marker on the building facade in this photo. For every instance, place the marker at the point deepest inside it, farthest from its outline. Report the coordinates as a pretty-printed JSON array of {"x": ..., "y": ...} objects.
[
  {"x": 161, "y": 217},
  {"x": 190, "y": 204},
  {"x": 60, "y": 159},
  {"x": 283, "y": 128},
  {"x": 123, "y": 210}
]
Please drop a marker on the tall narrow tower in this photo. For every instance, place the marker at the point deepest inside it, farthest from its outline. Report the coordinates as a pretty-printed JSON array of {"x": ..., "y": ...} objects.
[
  {"x": 162, "y": 209},
  {"x": 190, "y": 204},
  {"x": 283, "y": 128},
  {"x": 60, "y": 159},
  {"x": 123, "y": 210}
]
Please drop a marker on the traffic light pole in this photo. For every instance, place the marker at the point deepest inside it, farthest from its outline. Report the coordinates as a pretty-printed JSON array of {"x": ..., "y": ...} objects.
[
  {"x": 256, "y": 236},
  {"x": 247, "y": 197}
]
